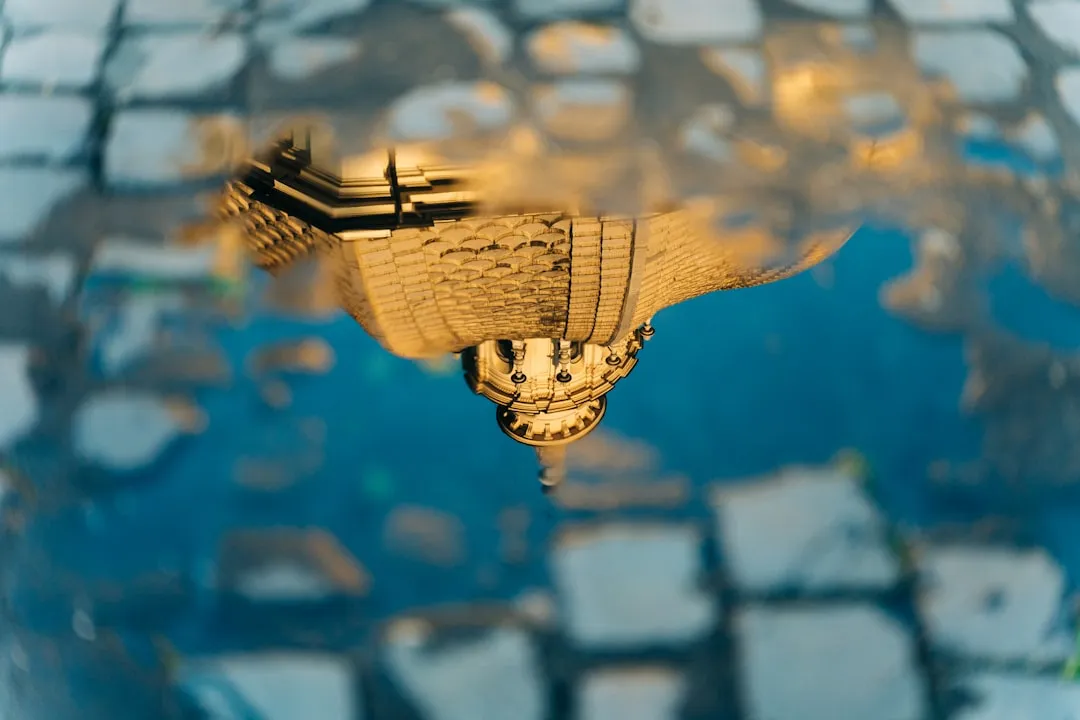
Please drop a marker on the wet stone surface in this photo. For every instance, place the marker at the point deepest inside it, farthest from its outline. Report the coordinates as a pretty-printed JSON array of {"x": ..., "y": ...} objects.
[
  {"x": 174, "y": 65},
  {"x": 795, "y": 594},
  {"x": 632, "y": 694},
  {"x": 53, "y": 129},
  {"x": 30, "y": 195},
  {"x": 24, "y": 15},
  {"x": 162, "y": 148},
  {"x": 627, "y": 586},
  {"x": 995, "y": 604},
  {"x": 489, "y": 675},
  {"x": 55, "y": 59},
  {"x": 872, "y": 670},
  {"x": 806, "y": 531}
]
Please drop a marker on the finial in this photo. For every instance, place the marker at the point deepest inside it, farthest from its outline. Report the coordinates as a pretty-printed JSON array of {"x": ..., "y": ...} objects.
[
  {"x": 647, "y": 330},
  {"x": 562, "y": 349},
  {"x": 518, "y": 377},
  {"x": 552, "y": 465}
]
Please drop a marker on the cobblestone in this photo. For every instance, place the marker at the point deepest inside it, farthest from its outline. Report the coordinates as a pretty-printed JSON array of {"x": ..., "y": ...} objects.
[
  {"x": 490, "y": 677},
  {"x": 694, "y": 22},
  {"x": 994, "y": 604},
  {"x": 298, "y": 58},
  {"x": 177, "y": 263},
  {"x": 836, "y": 662},
  {"x": 632, "y": 694},
  {"x": 1059, "y": 20},
  {"x": 205, "y": 13},
  {"x": 150, "y": 147},
  {"x": 161, "y": 66},
  {"x": 288, "y": 565},
  {"x": 955, "y": 11},
  {"x": 29, "y": 195},
  {"x": 286, "y": 17},
  {"x": 744, "y": 68},
  {"x": 278, "y": 686},
  {"x": 123, "y": 431},
  {"x": 997, "y": 78},
  {"x": 623, "y": 586},
  {"x": 550, "y": 9},
  {"x": 808, "y": 530},
  {"x": 1068, "y": 88},
  {"x": 53, "y": 129},
  {"x": 572, "y": 48},
  {"x": 74, "y": 14},
  {"x": 1000, "y": 696},
  {"x": 55, "y": 273},
  {"x": 54, "y": 59},
  {"x": 19, "y": 411},
  {"x": 491, "y": 39},
  {"x": 134, "y": 331},
  {"x": 437, "y": 112},
  {"x": 285, "y": 582},
  {"x": 837, "y": 8}
]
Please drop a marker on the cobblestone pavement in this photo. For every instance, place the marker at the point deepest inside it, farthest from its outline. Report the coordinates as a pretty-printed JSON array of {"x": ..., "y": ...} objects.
[{"x": 192, "y": 529}]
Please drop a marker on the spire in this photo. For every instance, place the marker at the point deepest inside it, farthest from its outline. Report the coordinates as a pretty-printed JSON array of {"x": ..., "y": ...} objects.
[{"x": 552, "y": 459}]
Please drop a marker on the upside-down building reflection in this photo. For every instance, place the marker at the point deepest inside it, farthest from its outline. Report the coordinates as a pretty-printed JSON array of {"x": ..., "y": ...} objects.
[{"x": 548, "y": 309}]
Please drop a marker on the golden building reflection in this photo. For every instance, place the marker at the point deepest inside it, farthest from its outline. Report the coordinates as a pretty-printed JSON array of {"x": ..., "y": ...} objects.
[{"x": 547, "y": 307}]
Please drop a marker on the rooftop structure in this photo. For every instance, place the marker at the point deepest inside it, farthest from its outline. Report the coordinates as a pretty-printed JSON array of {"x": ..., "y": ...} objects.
[{"x": 548, "y": 307}]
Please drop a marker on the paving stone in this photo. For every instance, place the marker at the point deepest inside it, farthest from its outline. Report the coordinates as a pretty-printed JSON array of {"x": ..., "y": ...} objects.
[
  {"x": 19, "y": 410},
  {"x": 836, "y": 8},
  {"x": 175, "y": 263},
  {"x": 491, "y": 39},
  {"x": 744, "y": 69},
  {"x": 1059, "y": 20},
  {"x": 29, "y": 195},
  {"x": 286, "y": 582},
  {"x": 275, "y": 686},
  {"x": 122, "y": 430},
  {"x": 707, "y": 133},
  {"x": 158, "y": 66},
  {"x": 56, "y": 59},
  {"x": 993, "y": 603},
  {"x": 1067, "y": 83},
  {"x": 53, "y": 129},
  {"x": 840, "y": 662},
  {"x": 997, "y": 77},
  {"x": 807, "y": 530},
  {"x": 632, "y": 694},
  {"x": 207, "y": 13},
  {"x": 550, "y": 9},
  {"x": 288, "y": 565},
  {"x": 581, "y": 109},
  {"x": 1000, "y": 696},
  {"x": 437, "y": 112},
  {"x": 627, "y": 585},
  {"x": 82, "y": 15},
  {"x": 1039, "y": 138},
  {"x": 493, "y": 676},
  {"x": 287, "y": 17},
  {"x": 134, "y": 334},
  {"x": 297, "y": 58},
  {"x": 574, "y": 48},
  {"x": 955, "y": 11},
  {"x": 163, "y": 147},
  {"x": 693, "y": 22},
  {"x": 55, "y": 273}
]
